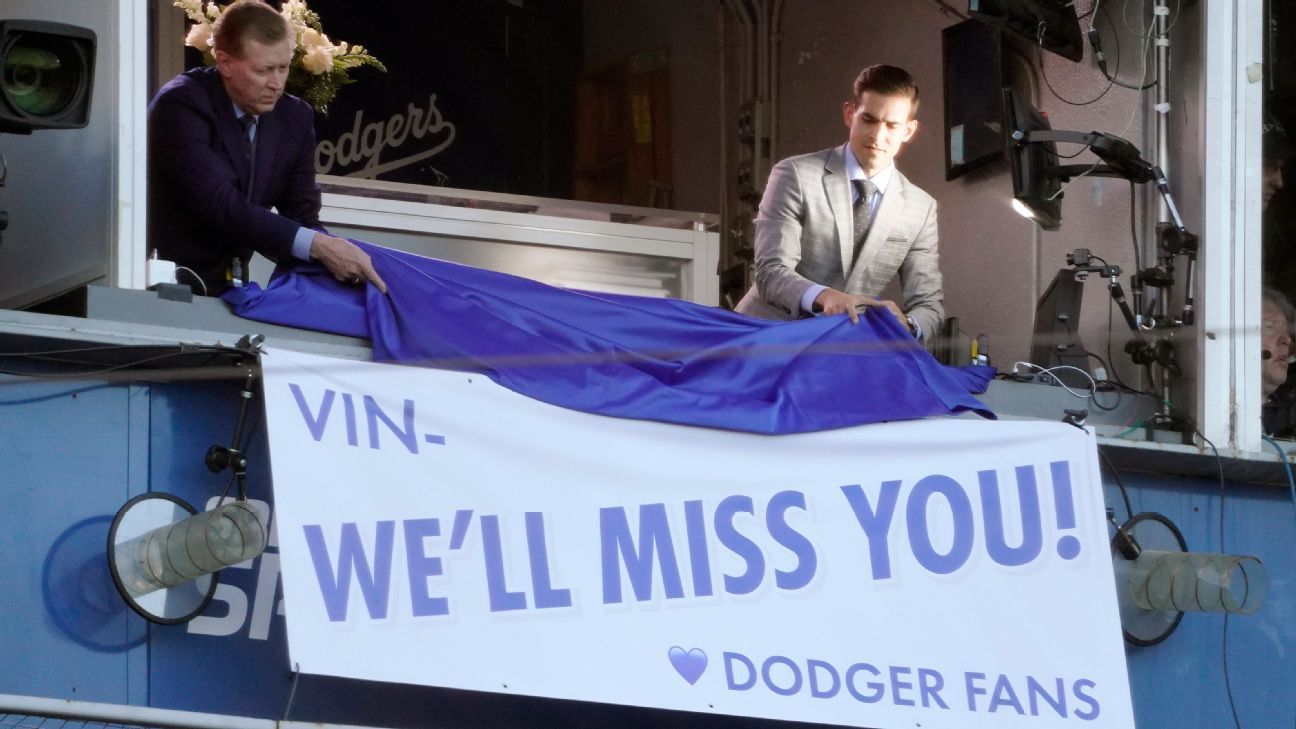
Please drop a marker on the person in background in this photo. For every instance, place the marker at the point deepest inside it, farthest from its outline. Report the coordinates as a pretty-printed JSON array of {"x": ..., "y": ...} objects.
[
  {"x": 226, "y": 144},
  {"x": 1279, "y": 257},
  {"x": 1277, "y": 318},
  {"x": 836, "y": 226}
]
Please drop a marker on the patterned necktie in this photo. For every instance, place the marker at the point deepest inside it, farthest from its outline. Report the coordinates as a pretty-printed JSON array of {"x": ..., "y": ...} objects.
[
  {"x": 249, "y": 148},
  {"x": 863, "y": 218}
]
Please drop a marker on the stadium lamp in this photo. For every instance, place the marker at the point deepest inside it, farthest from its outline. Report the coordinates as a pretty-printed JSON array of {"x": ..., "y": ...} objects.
[
  {"x": 46, "y": 73},
  {"x": 164, "y": 556},
  {"x": 1158, "y": 579}
]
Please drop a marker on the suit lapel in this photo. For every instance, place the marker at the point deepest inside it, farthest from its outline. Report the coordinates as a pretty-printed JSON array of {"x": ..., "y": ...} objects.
[
  {"x": 837, "y": 191},
  {"x": 228, "y": 128},
  {"x": 267, "y": 130},
  {"x": 888, "y": 214}
]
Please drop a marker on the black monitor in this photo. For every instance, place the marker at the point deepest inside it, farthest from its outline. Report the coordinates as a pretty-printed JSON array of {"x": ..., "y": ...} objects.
[
  {"x": 1051, "y": 24},
  {"x": 1037, "y": 183},
  {"x": 973, "y": 77},
  {"x": 1056, "y": 341}
]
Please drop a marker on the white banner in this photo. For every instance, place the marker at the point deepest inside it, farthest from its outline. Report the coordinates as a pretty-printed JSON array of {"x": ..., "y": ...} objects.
[{"x": 438, "y": 529}]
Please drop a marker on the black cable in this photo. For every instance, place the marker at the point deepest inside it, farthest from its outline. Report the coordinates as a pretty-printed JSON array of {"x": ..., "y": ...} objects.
[
  {"x": 1115, "y": 376},
  {"x": 1078, "y": 152},
  {"x": 1105, "y": 386},
  {"x": 106, "y": 370},
  {"x": 1098, "y": 387},
  {"x": 1044, "y": 73},
  {"x": 1129, "y": 510},
  {"x": 1093, "y": 397},
  {"x": 1112, "y": 77},
  {"x": 180, "y": 351},
  {"x": 73, "y": 350},
  {"x": 52, "y": 396},
  {"x": 1138, "y": 261},
  {"x": 1228, "y": 686}
]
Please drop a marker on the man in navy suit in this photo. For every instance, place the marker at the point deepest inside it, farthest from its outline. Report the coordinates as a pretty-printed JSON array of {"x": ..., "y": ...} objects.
[{"x": 226, "y": 145}]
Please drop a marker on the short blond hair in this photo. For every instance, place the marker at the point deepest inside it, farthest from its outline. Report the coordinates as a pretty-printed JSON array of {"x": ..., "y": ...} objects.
[{"x": 247, "y": 20}]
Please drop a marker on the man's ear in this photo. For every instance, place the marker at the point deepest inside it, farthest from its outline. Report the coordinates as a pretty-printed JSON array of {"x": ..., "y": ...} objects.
[
  {"x": 848, "y": 111},
  {"x": 222, "y": 58},
  {"x": 912, "y": 127}
]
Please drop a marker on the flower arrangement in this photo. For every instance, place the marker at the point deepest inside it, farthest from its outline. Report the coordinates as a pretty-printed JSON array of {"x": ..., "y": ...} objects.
[{"x": 319, "y": 67}]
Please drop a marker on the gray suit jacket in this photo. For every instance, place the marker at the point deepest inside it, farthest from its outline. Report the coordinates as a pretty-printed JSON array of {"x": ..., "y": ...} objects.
[{"x": 804, "y": 236}]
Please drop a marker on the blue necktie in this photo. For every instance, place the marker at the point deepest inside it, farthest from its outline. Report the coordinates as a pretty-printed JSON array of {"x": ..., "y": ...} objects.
[{"x": 249, "y": 123}]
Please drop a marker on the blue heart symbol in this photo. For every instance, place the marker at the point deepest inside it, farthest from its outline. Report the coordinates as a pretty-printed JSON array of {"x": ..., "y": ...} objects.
[{"x": 690, "y": 664}]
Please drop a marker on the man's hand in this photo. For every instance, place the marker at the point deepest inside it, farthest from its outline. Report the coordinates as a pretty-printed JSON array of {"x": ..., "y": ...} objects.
[
  {"x": 832, "y": 301},
  {"x": 345, "y": 260}
]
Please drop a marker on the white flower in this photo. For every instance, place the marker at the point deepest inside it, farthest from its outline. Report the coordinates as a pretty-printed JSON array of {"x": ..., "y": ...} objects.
[
  {"x": 200, "y": 37},
  {"x": 317, "y": 59},
  {"x": 318, "y": 68},
  {"x": 311, "y": 38}
]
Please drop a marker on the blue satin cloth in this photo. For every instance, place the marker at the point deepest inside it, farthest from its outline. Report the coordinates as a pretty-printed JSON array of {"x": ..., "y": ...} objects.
[{"x": 626, "y": 356}]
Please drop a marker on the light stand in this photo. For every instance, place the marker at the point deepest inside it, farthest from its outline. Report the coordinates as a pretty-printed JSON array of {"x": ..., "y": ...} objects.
[{"x": 1121, "y": 159}]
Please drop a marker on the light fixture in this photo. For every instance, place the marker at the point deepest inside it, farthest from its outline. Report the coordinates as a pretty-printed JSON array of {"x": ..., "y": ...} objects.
[
  {"x": 1158, "y": 579},
  {"x": 163, "y": 555}
]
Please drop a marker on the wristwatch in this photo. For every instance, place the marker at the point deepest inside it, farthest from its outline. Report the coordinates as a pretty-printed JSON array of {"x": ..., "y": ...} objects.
[{"x": 913, "y": 325}]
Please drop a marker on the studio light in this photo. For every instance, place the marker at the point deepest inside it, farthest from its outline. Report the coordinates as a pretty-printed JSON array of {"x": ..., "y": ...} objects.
[
  {"x": 1022, "y": 209},
  {"x": 163, "y": 555},
  {"x": 46, "y": 73},
  {"x": 1158, "y": 579}
]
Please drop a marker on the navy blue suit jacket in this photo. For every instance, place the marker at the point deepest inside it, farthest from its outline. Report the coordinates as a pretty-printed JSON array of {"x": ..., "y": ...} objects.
[{"x": 199, "y": 212}]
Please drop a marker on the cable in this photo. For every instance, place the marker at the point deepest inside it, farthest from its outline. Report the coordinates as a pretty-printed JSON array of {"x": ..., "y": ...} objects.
[
  {"x": 1044, "y": 73},
  {"x": 1129, "y": 510},
  {"x": 1094, "y": 40},
  {"x": 1228, "y": 686},
  {"x": 1098, "y": 388},
  {"x": 196, "y": 277},
  {"x": 1138, "y": 262},
  {"x": 52, "y": 396},
  {"x": 178, "y": 350},
  {"x": 1282, "y": 456},
  {"x": 49, "y": 376},
  {"x": 1050, "y": 370},
  {"x": 1074, "y": 180}
]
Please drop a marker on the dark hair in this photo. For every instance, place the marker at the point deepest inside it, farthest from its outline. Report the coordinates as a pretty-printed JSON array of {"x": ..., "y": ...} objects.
[
  {"x": 244, "y": 20},
  {"x": 888, "y": 81},
  {"x": 1275, "y": 146}
]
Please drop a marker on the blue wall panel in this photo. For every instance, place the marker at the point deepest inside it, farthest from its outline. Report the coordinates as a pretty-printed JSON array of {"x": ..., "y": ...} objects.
[
  {"x": 65, "y": 451},
  {"x": 1181, "y": 682},
  {"x": 72, "y": 454}
]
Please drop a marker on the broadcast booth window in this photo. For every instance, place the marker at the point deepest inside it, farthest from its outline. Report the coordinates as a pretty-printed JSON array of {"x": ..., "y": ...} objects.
[{"x": 1179, "y": 337}]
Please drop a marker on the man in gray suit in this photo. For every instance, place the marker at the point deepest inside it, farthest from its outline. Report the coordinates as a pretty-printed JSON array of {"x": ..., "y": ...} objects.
[{"x": 836, "y": 226}]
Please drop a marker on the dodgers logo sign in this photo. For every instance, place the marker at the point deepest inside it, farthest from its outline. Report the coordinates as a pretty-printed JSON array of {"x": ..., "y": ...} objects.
[{"x": 437, "y": 529}]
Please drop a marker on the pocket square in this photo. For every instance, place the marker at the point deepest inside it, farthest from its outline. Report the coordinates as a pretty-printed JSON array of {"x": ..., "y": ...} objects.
[{"x": 897, "y": 239}]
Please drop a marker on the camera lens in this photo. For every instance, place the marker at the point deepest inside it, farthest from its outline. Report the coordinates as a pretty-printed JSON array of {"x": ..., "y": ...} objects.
[{"x": 41, "y": 74}]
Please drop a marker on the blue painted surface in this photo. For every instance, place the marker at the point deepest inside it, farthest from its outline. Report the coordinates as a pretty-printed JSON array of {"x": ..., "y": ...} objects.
[
  {"x": 1181, "y": 682},
  {"x": 63, "y": 473},
  {"x": 72, "y": 453}
]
